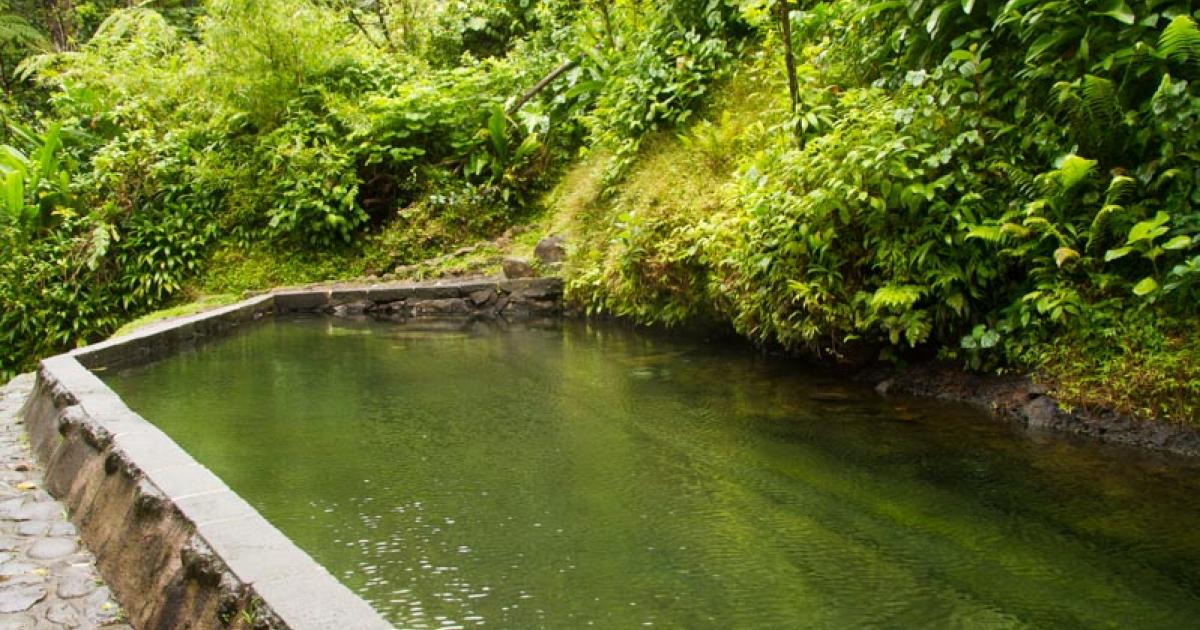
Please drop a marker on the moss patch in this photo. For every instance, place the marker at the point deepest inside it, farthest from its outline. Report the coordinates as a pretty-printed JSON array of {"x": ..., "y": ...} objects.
[{"x": 200, "y": 305}]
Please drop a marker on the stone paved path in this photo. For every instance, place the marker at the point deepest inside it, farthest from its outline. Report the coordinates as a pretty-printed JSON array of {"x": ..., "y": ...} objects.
[{"x": 47, "y": 580}]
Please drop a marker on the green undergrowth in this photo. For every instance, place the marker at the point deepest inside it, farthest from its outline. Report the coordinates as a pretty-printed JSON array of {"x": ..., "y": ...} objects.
[
  {"x": 704, "y": 228},
  {"x": 1134, "y": 367},
  {"x": 638, "y": 247}
]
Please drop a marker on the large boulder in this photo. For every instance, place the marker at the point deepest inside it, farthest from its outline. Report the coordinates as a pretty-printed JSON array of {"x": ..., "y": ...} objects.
[
  {"x": 517, "y": 268},
  {"x": 550, "y": 250}
]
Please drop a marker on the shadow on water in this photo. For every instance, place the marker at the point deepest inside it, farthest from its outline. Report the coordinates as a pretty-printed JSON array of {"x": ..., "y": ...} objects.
[{"x": 578, "y": 474}]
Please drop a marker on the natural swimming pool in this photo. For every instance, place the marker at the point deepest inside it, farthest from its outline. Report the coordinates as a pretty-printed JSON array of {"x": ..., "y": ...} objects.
[{"x": 588, "y": 474}]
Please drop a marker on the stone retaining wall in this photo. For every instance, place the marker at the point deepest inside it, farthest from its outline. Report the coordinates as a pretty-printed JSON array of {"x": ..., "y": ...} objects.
[{"x": 177, "y": 547}]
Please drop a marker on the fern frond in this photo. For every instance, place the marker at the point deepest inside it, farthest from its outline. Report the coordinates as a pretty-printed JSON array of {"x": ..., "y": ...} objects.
[
  {"x": 1101, "y": 221},
  {"x": 1025, "y": 183},
  {"x": 896, "y": 296},
  {"x": 16, "y": 32},
  {"x": 1092, "y": 108},
  {"x": 146, "y": 26},
  {"x": 1120, "y": 189},
  {"x": 987, "y": 233},
  {"x": 38, "y": 65},
  {"x": 1180, "y": 40},
  {"x": 1100, "y": 100}
]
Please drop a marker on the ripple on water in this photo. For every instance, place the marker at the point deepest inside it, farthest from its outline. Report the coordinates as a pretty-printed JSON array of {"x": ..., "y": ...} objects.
[{"x": 596, "y": 477}]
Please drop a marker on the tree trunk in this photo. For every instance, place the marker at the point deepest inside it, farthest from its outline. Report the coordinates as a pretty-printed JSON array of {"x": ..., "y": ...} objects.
[
  {"x": 59, "y": 16},
  {"x": 785, "y": 28}
]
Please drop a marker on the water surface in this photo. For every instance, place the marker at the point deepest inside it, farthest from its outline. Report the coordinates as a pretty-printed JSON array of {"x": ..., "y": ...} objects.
[{"x": 587, "y": 475}]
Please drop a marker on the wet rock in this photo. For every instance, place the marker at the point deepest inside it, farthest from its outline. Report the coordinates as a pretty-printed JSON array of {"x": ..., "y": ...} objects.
[
  {"x": 51, "y": 548},
  {"x": 100, "y": 605},
  {"x": 10, "y": 507},
  {"x": 517, "y": 268},
  {"x": 1040, "y": 413},
  {"x": 829, "y": 396},
  {"x": 357, "y": 307},
  {"x": 33, "y": 528},
  {"x": 551, "y": 249},
  {"x": 75, "y": 585},
  {"x": 38, "y": 512},
  {"x": 64, "y": 614},
  {"x": 16, "y": 567},
  {"x": 62, "y": 528},
  {"x": 481, "y": 297},
  {"x": 23, "y": 622},
  {"x": 19, "y": 598},
  {"x": 448, "y": 306}
]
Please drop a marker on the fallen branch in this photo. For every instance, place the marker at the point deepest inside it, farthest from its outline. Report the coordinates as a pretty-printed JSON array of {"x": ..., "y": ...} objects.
[{"x": 540, "y": 85}]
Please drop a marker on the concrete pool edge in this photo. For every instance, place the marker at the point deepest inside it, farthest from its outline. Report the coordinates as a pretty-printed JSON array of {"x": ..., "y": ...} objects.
[{"x": 175, "y": 544}]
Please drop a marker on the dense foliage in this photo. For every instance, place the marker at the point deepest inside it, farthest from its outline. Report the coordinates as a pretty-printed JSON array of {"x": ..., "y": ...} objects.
[
  {"x": 163, "y": 137},
  {"x": 992, "y": 181},
  {"x": 980, "y": 178}
]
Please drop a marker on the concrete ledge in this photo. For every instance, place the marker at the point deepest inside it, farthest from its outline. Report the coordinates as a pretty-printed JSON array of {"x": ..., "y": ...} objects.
[
  {"x": 175, "y": 544},
  {"x": 159, "y": 339}
]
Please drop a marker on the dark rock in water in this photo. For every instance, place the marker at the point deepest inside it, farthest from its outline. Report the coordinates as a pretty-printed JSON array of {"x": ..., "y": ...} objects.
[
  {"x": 1040, "y": 413},
  {"x": 1036, "y": 390},
  {"x": 481, "y": 297},
  {"x": 449, "y": 306},
  {"x": 357, "y": 307},
  {"x": 517, "y": 268},
  {"x": 829, "y": 396},
  {"x": 551, "y": 249}
]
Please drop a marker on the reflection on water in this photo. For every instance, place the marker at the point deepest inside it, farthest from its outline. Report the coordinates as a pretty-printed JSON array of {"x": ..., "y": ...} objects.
[{"x": 588, "y": 475}]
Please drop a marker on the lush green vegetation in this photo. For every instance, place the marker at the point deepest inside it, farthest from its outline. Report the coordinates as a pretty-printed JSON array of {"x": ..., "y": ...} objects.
[{"x": 1010, "y": 185}]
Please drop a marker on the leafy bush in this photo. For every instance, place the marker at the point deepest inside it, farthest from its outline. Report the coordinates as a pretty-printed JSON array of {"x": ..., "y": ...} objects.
[
  {"x": 981, "y": 179},
  {"x": 657, "y": 83}
]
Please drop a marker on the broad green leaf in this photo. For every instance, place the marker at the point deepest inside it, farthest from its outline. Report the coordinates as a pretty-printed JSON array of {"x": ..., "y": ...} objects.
[
  {"x": 1074, "y": 169},
  {"x": 1150, "y": 229},
  {"x": 935, "y": 17},
  {"x": 498, "y": 131},
  {"x": 1114, "y": 254},
  {"x": 1117, "y": 10},
  {"x": 1147, "y": 285},
  {"x": 1179, "y": 242}
]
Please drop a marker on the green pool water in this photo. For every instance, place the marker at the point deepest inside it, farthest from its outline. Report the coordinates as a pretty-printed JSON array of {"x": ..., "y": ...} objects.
[{"x": 585, "y": 475}]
